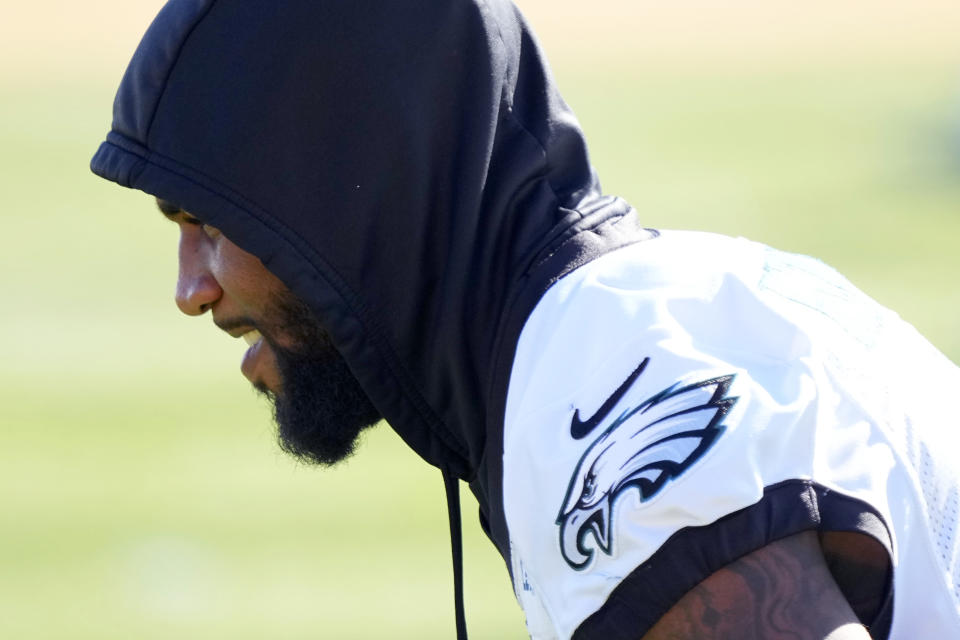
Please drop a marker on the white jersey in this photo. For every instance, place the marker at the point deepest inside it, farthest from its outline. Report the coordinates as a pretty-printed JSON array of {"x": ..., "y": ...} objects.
[{"x": 680, "y": 402}]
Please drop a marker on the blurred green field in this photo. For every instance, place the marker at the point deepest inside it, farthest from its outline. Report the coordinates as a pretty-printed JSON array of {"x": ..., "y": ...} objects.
[{"x": 141, "y": 492}]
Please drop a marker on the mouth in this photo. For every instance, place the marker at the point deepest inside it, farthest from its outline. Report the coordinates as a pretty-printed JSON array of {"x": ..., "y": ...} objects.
[{"x": 253, "y": 365}]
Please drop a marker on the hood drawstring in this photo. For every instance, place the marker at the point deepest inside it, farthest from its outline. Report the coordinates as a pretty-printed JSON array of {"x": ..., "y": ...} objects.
[{"x": 456, "y": 546}]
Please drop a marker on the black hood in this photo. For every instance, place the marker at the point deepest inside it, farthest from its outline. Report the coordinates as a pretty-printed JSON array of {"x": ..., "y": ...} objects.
[{"x": 407, "y": 168}]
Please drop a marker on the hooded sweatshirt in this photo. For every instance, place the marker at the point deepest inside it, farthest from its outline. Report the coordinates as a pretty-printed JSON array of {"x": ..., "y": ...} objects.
[
  {"x": 631, "y": 416},
  {"x": 408, "y": 169}
]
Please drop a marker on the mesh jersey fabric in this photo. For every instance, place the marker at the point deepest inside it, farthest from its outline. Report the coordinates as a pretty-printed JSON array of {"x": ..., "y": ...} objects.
[{"x": 831, "y": 414}]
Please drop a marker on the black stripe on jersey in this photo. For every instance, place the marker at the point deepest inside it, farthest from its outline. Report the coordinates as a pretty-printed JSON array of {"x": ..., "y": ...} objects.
[{"x": 694, "y": 553}]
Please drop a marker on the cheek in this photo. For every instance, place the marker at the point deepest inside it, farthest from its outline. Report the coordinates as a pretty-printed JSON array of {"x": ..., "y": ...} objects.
[{"x": 243, "y": 276}]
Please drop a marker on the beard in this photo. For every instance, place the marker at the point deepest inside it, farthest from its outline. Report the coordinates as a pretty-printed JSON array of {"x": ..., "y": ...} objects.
[{"x": 321, "y": 409}]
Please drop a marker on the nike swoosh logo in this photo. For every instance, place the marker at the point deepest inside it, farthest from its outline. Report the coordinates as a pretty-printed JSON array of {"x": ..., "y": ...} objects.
[{"x": 582, "y": 428}]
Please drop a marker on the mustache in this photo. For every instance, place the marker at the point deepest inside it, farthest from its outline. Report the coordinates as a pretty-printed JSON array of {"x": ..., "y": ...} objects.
[
  {"x": 287, "y": 324},
  {"x": 229, "y": 324}
]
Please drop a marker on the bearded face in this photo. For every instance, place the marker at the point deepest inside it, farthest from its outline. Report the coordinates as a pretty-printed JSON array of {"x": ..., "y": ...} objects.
[{"x": 318, "y": 404}]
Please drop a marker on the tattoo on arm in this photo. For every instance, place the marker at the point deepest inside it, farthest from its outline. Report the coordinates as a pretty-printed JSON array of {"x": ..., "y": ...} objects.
[{"x": 783, "y": 591}]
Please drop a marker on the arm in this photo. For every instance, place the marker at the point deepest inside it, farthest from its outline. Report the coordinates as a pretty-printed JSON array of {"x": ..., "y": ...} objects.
[{"x": 782, "y": 591}]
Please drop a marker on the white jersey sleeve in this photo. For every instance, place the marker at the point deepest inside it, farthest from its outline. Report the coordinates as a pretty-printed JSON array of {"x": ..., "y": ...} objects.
[{"x": 684, "y": 401}]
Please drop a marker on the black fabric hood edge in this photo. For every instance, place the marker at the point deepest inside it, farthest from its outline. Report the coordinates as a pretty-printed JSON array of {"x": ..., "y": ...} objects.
[{"x": 420, "y": 184}]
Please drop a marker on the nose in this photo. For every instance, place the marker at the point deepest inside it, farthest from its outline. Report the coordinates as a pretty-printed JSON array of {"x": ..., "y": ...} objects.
[{"x": 197, "y": 288}]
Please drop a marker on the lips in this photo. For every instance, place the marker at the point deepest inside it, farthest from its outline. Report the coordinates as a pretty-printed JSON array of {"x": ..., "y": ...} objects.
[
  {"x": 252, "y": 356},
  {"x": 259, "y": 364}
]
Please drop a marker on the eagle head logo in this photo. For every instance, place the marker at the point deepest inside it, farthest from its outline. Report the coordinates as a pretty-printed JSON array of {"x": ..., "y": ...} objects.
[{"x": 643, "y": 449}]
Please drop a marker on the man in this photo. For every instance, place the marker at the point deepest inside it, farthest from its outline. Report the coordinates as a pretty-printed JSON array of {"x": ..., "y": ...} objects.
[{"x": 670, "y": 435}]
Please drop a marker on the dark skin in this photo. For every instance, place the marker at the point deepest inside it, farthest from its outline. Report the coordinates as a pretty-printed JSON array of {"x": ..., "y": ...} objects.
[
  {"x": 787, "y": 590},
  {"x": 319, "y": 406},
  {"x": 783, "y": 591},
  {"x": 215, "y": 275}
]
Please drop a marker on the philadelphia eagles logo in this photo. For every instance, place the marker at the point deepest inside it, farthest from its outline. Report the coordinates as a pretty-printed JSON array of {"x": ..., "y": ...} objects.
[{"x": 643, "y": 449}]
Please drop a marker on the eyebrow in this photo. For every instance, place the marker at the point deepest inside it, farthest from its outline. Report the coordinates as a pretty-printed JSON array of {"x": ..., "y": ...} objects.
[
  {"x": 167, "y": 208},
  {"x": 171, "y": 211}
]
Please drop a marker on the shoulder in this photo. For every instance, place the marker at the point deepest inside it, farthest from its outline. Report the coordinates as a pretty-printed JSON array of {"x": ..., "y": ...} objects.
[{"x": 659, "y": 426}]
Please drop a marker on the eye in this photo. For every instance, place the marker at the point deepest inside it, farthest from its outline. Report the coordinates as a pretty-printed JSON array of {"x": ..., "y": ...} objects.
[
  {"x": 589, "y": 488},
  {"x": 211, "y": 231}
]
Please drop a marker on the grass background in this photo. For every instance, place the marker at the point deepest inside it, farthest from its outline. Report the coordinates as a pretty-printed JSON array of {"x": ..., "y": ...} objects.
[{"x": 141, "y": 495}]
